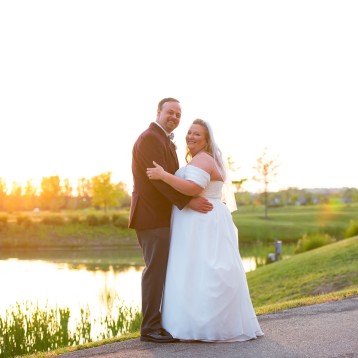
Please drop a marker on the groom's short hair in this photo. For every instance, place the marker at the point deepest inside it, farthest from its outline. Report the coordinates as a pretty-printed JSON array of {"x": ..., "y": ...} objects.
[{"x": 164, "y": 100}]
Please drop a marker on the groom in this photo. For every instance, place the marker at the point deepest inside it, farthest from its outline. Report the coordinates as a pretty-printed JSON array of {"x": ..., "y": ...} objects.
[{"x": 151, "y": 209}]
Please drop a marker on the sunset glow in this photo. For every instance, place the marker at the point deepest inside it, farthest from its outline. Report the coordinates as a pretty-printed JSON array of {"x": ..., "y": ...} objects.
[{"x": 81, "y": 80}]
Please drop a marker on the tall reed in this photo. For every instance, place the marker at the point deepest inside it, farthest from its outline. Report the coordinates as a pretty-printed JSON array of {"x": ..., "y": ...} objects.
[{"x": 27, "y": 329}]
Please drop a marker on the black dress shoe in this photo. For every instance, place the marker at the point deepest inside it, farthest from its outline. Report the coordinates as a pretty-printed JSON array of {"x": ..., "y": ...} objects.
[{"x": 158, "y": 336}]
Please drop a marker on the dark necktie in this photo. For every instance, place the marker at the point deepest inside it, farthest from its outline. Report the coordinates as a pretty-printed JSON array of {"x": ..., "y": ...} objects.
[{"x": 171, "y": 136}]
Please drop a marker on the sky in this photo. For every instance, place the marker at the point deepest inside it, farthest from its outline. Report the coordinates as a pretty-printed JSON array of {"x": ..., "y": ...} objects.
[{"x": 81, "y": 79}]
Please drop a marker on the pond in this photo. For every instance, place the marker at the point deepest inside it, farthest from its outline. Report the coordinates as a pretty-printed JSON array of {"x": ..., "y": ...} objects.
[{"x": 77, "y": 279}]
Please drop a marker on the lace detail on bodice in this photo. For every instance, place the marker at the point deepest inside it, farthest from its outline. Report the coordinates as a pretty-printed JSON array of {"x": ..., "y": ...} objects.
[{"x": 212, "y": 189}]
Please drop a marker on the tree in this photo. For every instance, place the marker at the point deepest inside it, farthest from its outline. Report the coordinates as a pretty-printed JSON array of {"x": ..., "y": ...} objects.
[
  {"x": 234, "y": 168},
  {"x": 104, "y": 193},
  {"x": 266, "y": 169},
  {"x": 50, "y": 196},
  {"x": 84, "y": 189},
  {"x": 3, "y": 194},
  {"x": 29, "y": 197},
  {"x": 124, "y": 199},
  {"x": 66, "y": 192},
  {"x": 14, "y": 199},
  {"x": 348, "y": 195}
]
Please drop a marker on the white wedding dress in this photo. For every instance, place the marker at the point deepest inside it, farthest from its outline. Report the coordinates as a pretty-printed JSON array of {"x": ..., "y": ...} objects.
[{"x": 206, "y": 296}]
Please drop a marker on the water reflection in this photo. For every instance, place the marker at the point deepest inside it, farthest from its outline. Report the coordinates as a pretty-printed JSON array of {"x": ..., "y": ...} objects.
[
  {"x": 249, "y": 263},
  {"x": 75, "y": 284},
  {"x": 59, "y": 285},
  {"x": 91, "y": 259}
]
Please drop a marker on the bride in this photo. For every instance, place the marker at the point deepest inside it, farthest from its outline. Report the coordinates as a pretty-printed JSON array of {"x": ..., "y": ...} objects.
[{"x": 206, "y": 296}]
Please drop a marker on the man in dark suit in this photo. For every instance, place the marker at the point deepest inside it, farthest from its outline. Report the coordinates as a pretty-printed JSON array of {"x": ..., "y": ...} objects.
[{"x": 151, "y": 209}]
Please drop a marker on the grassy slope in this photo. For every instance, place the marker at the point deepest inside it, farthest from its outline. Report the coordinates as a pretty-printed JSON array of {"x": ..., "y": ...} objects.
[
  {"x": 328, "y": 269},
  {"x": 321, "y": 275}
]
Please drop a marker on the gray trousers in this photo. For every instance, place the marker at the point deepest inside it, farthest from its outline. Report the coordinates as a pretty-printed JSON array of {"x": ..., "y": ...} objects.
[{"x": 155, "y": 248}]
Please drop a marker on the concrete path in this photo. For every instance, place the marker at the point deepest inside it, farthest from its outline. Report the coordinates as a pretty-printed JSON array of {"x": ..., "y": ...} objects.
[{"x": 324, "y": 330}]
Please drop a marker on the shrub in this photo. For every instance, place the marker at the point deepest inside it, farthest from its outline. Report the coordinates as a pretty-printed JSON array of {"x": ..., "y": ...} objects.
[
  {"x": 53, "y": 220},
  {"x": 3, "y": 221},
  {"x": 98, "y": 220},
  {"x": 120, "y": 221},
  {"x": 313, "y": 241},
  {"x": 92, "y": 220},
  {"x": 75, "y": 219},
  {"x": 352, "y": 229},
  {"x": 104, "y": 220},
  {"x": 23, "y": 220}
]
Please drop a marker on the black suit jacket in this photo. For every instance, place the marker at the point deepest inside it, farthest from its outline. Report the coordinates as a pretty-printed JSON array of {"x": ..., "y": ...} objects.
[{"x": 152, "y": 200}]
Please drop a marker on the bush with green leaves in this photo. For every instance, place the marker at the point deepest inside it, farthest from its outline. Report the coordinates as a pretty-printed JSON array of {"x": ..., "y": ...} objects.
[
  {"x": 53, "y": 220},
  {"x": 98, "y": 220},
  {"x": 352, "y": 229},
  {"x": 104, "y": 219},
  {"x": 74, "y": 219},
  {"x": 24, "y": 220},
  {"x": 120, "y": 220},
  {"x": 313, "y": 241},
  {"x": 3, "y": 221},
  {"x": 92, "y": 220}
]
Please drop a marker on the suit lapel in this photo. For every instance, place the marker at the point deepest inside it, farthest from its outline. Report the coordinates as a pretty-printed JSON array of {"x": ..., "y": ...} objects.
[
  {"x": 167, "y": 142},
  {"x": 173, "y": 152}
]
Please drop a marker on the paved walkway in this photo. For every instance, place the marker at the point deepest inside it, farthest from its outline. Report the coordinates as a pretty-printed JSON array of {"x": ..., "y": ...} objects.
[{"x": 323, "y": 330}]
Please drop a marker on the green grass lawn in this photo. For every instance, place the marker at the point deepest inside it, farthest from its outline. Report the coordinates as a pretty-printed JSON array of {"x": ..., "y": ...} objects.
[{"x": 289, "y": 224}]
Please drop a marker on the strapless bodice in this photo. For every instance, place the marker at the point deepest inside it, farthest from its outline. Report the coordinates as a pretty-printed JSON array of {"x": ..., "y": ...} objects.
[{"x": 212, "y": 189}]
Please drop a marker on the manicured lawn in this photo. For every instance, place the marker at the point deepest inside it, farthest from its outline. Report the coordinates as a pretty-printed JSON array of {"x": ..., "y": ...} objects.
[{"x": 289, "y": 224}]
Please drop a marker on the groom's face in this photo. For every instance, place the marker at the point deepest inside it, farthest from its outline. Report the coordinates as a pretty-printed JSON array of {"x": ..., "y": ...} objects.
[{"x": 169, "y": 116}]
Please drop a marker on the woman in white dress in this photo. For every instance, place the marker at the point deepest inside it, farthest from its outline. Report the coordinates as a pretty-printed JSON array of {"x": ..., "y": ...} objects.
[{"x": 206, "y": 296}]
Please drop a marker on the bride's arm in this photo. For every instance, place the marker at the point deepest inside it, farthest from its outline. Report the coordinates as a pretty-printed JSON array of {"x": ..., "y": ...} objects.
[{"x": 186, "y": 187}]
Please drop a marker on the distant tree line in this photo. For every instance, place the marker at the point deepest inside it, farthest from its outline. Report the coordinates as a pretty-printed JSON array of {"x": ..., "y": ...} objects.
[
  {"x": 100, "y": 192},
  {"x": 266, "y": 170},
  {"x": 295, "y": 196},
  {"x": 55, "y": 194}
]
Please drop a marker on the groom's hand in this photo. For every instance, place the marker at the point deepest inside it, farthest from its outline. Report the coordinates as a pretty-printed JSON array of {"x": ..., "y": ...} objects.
[{"x": 202, "y": 205}]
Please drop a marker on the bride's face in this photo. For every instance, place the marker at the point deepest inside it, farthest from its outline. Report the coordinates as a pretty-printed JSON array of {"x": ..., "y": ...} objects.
[{"x": 196, "y": 139}]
